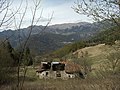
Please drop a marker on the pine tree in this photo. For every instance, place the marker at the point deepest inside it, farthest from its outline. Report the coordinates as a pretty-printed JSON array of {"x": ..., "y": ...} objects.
[{"x": 27, "y": 58}]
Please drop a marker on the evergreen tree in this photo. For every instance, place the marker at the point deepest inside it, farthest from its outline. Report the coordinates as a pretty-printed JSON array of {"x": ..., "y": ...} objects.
[
  {"x": 6, "y": 62},
  {"x": 27, "y": 58}
]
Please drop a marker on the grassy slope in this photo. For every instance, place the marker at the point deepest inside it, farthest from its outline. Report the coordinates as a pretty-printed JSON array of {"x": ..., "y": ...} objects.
[{"x": 98, "y": 54}]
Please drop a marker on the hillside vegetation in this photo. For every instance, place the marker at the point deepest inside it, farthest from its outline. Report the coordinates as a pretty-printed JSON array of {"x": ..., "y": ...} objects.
[
  {"x": 98, "y": 54},
  {"x": 53, "y": 37},
  {"x": 107, "y": 37}
]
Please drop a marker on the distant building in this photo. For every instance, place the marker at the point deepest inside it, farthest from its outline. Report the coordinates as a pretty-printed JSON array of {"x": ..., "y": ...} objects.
[{"x": 63, "y": 70}]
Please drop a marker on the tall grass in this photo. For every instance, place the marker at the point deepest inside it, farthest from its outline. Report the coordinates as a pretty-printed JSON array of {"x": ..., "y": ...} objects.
[
  {"x": 71, "y": 84},
  {"x": 102, "y": 81}
]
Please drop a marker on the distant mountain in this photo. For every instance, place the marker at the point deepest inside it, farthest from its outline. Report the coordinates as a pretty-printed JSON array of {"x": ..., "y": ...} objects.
[
  {"x": 67, "y": 25},
  {"x": 108, "y": 37},
  {"x": 53, "y": 37}
]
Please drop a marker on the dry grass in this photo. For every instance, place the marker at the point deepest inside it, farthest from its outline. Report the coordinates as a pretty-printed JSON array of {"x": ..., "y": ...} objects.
[
  {"x": 93, "y": 50},
  {"x": 97, "y": 54},
  {"x": 71, "y": 84},
  {"x": 91, "y": 83}
]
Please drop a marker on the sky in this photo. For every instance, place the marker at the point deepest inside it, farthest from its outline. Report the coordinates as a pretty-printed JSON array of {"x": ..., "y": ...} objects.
[
  {"x": 63, "y": 12},
  {"x": 61, "y": 9}
]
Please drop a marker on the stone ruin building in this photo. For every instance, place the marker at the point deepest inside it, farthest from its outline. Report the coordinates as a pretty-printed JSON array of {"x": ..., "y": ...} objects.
[{"x": 63, "y": 70}]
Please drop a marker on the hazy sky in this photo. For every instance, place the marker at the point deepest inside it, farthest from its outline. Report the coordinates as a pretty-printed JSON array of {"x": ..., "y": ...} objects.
[{"x": 63, "y": 13}]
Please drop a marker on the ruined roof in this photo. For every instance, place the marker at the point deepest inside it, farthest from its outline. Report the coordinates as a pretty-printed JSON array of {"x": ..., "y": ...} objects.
[{"x": 71, "y": 67}]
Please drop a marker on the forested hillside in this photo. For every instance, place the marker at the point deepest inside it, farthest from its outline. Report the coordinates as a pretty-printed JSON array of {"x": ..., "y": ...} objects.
[
  {"x": 108, "y": 37},
  {"x": 53, "y": 37}
]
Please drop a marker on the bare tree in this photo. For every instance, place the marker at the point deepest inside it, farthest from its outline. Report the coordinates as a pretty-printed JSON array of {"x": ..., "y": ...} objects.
[
  {"x": 9, "y": 17},
  {"x": 99, "y": 9},
  {"x": 23, "y": 46}
]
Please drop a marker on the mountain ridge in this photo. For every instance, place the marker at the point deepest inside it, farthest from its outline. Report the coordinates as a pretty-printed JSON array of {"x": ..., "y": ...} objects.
[{"x": 53, "y": 36}]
